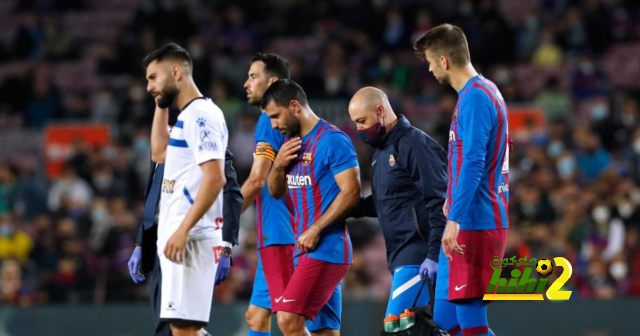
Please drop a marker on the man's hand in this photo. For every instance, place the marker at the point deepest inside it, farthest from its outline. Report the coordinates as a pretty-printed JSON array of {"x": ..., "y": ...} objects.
[
  {"x": 449, "y": 240},
  {"x": 174, "y": 250},
  {"x": 288, "y": 152},
  {"x": 430, "y": 268},
  {"x": 308, "y": 240},
  {"x": 444, "y": 208},
  {"x": 223, "y": 269},
  {"x": 134, "y": 265}
]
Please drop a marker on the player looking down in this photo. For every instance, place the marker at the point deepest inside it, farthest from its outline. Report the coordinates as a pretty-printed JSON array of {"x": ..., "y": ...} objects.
[
  {"x": 274, "y": 219},
  {"x": 409, "y": 187},
  {"x": 478, "y": 187},
  {"x": 191, "y": 216},
  {"x": 318, "y": 168}
]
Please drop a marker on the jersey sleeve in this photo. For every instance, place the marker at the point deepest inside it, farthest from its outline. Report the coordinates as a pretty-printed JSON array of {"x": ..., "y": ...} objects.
[
  {"x": 267, "y": 140},
  {"x": 475, "y": 119},
  {"x": 340, "y": 151},
  {"x": 206, "y": 135}
]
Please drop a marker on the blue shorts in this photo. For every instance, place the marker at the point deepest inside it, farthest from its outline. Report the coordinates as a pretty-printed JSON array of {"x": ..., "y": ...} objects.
[
  {"x": 330, "y": 315},
  {"x": 442, "y": 280},
  {"x": 260, "y": 295},
  {"x": 405, "y": 285}
]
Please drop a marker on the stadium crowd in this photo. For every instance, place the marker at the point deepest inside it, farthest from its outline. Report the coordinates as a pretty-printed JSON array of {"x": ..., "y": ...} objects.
[{"x": 574, "y": 176}]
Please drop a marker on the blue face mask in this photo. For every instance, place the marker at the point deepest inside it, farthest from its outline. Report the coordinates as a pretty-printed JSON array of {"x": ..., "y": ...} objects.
[
  {"x": 555, "y": 149},
  {"x": 141, "y": 145},
  {"x": 99, "y": 215},
  {"x": 5, "y": 230},
  {"x": 599, "y": 112},
  {"x": 75, "y": 213},
  {"x": 566, "y": 167}
]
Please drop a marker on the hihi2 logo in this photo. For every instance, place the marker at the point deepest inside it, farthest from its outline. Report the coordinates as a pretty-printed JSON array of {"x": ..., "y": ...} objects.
[{"x": 521, "y": 286}]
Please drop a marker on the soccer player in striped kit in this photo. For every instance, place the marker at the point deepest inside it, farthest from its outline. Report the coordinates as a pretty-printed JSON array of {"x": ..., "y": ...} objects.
[
  {"x": 274, "y": 220},
  {"x": 478, "y": 186},
  {"x": 318, "y": 168}
]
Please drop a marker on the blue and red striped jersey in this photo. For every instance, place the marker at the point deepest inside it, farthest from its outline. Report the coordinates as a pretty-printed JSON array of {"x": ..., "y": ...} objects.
[
  {"x": 326, "y": 151},
  {"x": 478, "y": 155},
  {"x": 274, "y": 218}
]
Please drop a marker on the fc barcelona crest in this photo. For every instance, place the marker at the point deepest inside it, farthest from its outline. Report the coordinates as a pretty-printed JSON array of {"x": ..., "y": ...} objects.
[
  {"x": 455, "y": 115},
  {"x": 392, "y": 161},
  {"x": 306, "y": 158}
]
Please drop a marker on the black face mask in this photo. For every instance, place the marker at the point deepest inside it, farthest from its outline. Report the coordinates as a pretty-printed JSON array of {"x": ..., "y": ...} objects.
[{"x": 373, "y": 133}]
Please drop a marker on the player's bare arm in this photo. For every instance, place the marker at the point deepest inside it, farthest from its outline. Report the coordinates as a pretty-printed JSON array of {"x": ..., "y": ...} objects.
[
  {"x": 349, "y": 183},
  {"x": 213, "y": 181},
  {"x": 277, "y": 180},
  {"x": 159, "y": 134},
  {"x": 449, "y": 240},
  {"x": 256, "y": 181}
]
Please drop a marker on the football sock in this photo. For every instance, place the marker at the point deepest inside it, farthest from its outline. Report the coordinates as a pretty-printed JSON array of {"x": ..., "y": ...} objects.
[
  {"x": 473, "y": 318},
  {"x": 445, "y": 316}
]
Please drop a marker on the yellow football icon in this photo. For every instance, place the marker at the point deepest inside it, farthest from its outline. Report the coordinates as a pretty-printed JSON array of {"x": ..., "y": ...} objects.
[{"x": 544, "y": 267}]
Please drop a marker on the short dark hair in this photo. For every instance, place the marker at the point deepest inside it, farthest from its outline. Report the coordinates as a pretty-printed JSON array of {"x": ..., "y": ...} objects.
[
  {"x": 282, "y": 92},
  {"x": 170, "y": 51},
  {"x": 447, "y": 40},
  {"x": 274, "y": 65}
]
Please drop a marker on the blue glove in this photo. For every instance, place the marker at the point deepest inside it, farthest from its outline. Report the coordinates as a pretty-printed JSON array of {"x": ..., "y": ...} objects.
[
  {"x": 430, "y": 268},
  {"x": 134, "y": 265},
  {"x": 223, "y": 269}
]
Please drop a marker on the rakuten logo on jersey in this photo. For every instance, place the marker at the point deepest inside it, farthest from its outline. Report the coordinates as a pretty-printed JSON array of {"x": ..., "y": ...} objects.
[{"x": 298, "y": 181}]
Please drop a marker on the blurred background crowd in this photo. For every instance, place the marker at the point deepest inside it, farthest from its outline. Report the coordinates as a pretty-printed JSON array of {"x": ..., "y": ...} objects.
[{"x": 568, "y": 70}]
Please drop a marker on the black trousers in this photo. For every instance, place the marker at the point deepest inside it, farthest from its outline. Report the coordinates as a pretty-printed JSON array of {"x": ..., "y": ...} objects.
[{"x": 161, "y": 328}]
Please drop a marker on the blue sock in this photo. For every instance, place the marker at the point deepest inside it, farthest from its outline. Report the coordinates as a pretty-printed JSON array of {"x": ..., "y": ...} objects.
[
  {"x": 445, "y": 316},
  {"x": 258, "y": 333},
  {"x": 473, "y": 318}
]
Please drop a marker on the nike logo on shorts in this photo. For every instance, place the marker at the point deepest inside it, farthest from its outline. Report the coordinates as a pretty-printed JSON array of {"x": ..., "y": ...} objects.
[
  {"x": 459, "y": 288},
  {"x": 278, "y": 299},
  {"x": 285, "y": 301},
  {"x": 374, "y": 162}
]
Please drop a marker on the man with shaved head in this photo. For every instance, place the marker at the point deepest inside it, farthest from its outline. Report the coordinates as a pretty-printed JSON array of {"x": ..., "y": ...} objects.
[{"x": 409, "y": 186}]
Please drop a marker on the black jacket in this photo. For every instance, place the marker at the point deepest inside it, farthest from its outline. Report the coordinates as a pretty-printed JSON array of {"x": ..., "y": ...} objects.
[
  {"x": 232, "y": 206},
  {"x": 409, "y": 187}
]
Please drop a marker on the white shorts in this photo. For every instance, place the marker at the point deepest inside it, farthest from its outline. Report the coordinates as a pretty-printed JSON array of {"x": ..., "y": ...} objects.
[{"x": 187, "y": 287}]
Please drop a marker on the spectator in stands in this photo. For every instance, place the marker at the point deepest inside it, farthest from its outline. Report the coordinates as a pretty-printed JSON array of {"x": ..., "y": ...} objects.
[
  {"x": 587, "y": 157},
  {"x": 554, "y": 101},
  {"x": 593, "y": 159},
  {"x": 10, "y": 282},
  {"x": 70, "y": 193},
  {"x": 14, "y": 243},
  {"x": 45, "y": 105},
  {"x": 548, "y": 53}
]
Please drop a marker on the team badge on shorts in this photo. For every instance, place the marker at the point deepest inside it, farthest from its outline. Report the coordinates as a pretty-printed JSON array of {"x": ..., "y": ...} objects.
[
  {"x": 306, "y": 158},
  {"x": 392, "y": 160}
]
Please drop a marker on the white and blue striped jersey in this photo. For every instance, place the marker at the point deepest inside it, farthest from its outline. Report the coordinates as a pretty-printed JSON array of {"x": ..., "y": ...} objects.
[{"x": 200, "y": 135}]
